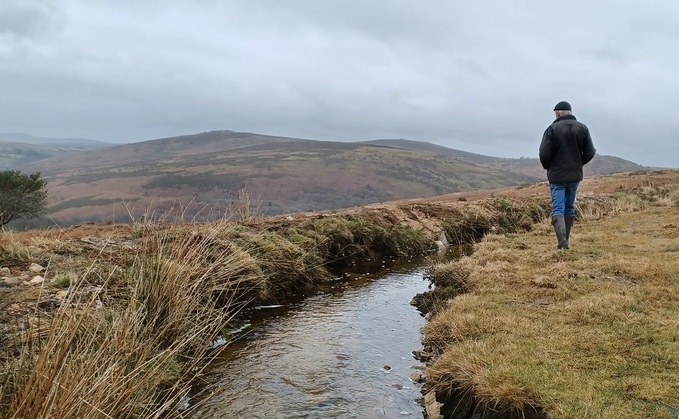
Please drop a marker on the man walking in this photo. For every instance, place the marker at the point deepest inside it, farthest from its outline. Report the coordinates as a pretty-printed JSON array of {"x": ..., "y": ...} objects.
[{"x": 566, "y": 147}]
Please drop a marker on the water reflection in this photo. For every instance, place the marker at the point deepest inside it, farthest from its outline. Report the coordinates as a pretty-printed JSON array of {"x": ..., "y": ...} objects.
[{"x": 342, "y": 352}]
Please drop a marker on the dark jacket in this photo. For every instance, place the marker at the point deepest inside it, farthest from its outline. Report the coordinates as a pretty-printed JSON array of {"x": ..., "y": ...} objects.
[{"x": 566, "y": 147}]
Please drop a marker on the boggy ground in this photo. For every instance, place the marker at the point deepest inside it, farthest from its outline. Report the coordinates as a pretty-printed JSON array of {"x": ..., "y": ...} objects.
[{"x": 167, "y": 288}]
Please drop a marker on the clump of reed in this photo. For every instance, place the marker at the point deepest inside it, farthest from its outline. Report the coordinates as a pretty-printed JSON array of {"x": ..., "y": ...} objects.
[
  {"x": 138, "y": 354},
  {"x": 11, "y": 250}
]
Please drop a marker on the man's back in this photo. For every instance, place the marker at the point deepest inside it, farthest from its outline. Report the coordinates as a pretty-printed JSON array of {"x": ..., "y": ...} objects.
[{"x": 566, "y": 146}]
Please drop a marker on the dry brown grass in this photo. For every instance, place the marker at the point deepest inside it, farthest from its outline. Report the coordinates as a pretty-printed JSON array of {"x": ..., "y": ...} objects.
[
  {"x": 136, "y": 356},
  {"x": 143, "y": 306},
  {"x": 585, "y": 333},
  {"x": 11, "y": 251}
]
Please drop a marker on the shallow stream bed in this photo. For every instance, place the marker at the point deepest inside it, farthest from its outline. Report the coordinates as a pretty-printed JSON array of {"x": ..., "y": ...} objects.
[{"x": 343, "y": 350}]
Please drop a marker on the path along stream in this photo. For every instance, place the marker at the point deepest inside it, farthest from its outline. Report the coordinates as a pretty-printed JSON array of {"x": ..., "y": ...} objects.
[{"x": 343, "y": 350}]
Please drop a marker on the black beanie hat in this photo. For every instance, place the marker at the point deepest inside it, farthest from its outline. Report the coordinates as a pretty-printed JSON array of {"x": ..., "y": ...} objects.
[{"x": 563, "y": 106}]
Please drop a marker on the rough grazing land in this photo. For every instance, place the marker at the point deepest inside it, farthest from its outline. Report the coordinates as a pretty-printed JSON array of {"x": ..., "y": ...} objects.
[
  {"x": 591, "y": 332},
  {"x": 64, "y": 290}
]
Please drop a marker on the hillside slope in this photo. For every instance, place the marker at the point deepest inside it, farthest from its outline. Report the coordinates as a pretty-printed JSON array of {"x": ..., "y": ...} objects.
[
  {"x": 280, "y": 174},
  {"x": 17, "y": 156},
  {"x": 600, "y": 165},
  {"x": 207, "y": 172},
  {"x": 19, "y": 150}
]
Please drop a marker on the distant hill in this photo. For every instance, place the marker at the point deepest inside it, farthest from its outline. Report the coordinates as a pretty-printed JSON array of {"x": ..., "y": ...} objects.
[
  {"x": 69, "y": 142},
  {"x": 600, "y": 165},
  {"x": 281, "y": 174},
  {"x": 206, "y": 172},
  {"x": 18, "y": 150},
  {"x": 160, "y": 151}
]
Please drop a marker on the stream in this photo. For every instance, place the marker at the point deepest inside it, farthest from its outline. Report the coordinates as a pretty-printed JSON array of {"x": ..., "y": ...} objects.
[{"x": 342, "y": 350}]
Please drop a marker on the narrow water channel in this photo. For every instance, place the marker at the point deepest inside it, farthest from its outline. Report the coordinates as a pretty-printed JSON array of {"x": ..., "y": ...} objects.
[{"x": 343, "y": 351}]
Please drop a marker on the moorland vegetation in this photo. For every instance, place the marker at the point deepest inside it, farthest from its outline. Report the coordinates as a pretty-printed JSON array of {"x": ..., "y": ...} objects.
[
  {"x": 118, "y": 320},
  {"x": 535, "y": 332}
]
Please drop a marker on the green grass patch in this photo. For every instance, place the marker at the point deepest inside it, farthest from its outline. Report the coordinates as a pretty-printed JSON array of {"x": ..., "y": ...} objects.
[{"x": 589, "y": 332}]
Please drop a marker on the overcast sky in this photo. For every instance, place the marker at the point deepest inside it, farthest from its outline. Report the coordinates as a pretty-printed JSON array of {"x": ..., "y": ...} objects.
[{"x": 480, "y": 76}]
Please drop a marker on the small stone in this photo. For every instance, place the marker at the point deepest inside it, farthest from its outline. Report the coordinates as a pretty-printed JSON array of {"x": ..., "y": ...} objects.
[
  {"x": 11, "y": 281},
  {"x": 417, "y": 377},
  {"x": 35, "y": 268},
  {"x": 289, "y": 218},
  {"x": 422, "y": 355},
  {"x": 386, "y": 367},
  {"x": 14, "y": 308},
  {"x": 5, "y": 272},
  {"x": 36, "y": 280}
]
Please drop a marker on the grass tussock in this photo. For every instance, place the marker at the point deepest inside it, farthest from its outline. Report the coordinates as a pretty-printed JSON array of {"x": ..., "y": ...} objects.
[
  {"x": 12, "y": 251},
  {"x": 285, "y": 266},
  {"x": 135, "y": 356},
  {"x": 451, "y": 281},
  {"x": 639, "y": 198},
  {"x": 589, "y": 332},
  {"x": 468, "y": 225},
  {"x": 339, "y": 239}
]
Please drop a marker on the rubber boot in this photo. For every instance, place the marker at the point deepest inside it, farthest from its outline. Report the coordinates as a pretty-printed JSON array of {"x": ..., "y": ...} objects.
[
  {"x": 569, "y": 224},
  {"x": 560, "y": 228}
]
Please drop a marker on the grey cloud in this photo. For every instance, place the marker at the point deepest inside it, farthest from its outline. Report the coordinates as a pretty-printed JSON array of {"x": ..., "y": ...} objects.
[
  {"x": 481, "y": 76},
  {"x": 26, "y": 19}
]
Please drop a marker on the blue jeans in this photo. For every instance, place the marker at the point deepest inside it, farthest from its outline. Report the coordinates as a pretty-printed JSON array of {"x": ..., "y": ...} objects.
[{"x": 563, "y": 197}]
